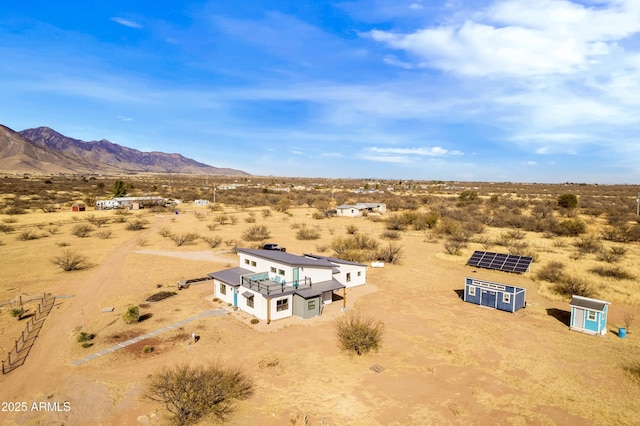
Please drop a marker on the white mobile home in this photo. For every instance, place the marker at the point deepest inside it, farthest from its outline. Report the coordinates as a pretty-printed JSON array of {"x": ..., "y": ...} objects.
[{"x": 360, "y": 209}]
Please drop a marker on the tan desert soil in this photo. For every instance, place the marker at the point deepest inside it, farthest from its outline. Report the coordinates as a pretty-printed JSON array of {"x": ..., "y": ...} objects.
[{"x": 445, "y": 361}]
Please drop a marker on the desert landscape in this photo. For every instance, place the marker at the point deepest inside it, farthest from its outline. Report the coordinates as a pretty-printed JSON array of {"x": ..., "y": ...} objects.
[{"x": 441, "y": 361}]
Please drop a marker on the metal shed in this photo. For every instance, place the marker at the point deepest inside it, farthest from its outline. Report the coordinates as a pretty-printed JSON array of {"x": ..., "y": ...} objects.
[
  {"x": 494, "y": 295},
  {"x": 589, "y": 315}
]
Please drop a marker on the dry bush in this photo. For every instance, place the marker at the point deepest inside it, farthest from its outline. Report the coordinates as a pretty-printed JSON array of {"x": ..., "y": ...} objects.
[
  {"x": 136, "y": 224},
  {"x": 391, "y": 253},
  {"x": 157, "y": 297},
  {"x": 359, "y": 335},
  {"x": 614, "y": 272},
  {"x": 199, "y": 215},
  {"x": 28, "y": 235},
  {"x": 612, "y": 255},
  {"x": 570, "y": 228},
  {"x": 190, "y": 393},
  {"x": 574, "y": 286},
  {"x": 82, "y": 230},
  {"x": 7, "y": 229},
  {"x": 266, "y": 213},
  {"x": 97, "y": 221},
  {"x": 256, "y": 233},
  {"x": 222, "y": 219},
  {"x": 552, "y": 272},
  {"x": 165, "y": 232},
  {"x": 352, "y": 230},
  {"x": 212, "y": 226},
  {"x": 588, "y": 244},
  {"x": 390, "y": 235},
  {"x": 212, "y": 242},
  {"x": 454, "y": 247},
  {"x": 132, "y": 315},
  {"x": 104, "y": 234},
  {"x": 306, "y": 233},
  {"x": 70, "y": 261},
  {"x": 182, "y": 239}
]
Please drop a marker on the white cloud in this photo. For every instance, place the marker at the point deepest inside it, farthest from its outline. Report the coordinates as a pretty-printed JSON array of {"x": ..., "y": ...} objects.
[
  {"x": 123, "y": 118},
  {"x": 416, "y": 6},
  {"x": 521, "y": 38},
  {"x": 126, "y": 22},
  {"x": 387, "y": 159},
  {"x": 435, "y": 151}
]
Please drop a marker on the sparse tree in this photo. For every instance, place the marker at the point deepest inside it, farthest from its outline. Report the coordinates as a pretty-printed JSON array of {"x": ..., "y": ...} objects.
[
  {"x": 182, "y": 239},
  {"x": 190, "y": 393},
  {"x": 82, "y": 230},
  {"x": 568, "y": 201},
  {"x": 256, "y": 233},
  {"x": 70, "y": 261}
]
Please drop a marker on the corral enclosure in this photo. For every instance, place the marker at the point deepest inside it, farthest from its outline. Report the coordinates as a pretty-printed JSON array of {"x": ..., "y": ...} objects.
[{"x": 444, "y": 361}]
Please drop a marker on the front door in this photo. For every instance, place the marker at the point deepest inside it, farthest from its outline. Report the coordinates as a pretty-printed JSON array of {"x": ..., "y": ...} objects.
[
  {"x": 488, "y": 298},
  {"x": 235, "y": 297},
  {"x": 296, "y": 277},
  {"x": 578, "y": 318}
]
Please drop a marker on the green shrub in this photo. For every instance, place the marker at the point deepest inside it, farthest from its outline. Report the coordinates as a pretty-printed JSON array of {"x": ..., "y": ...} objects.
[
  {"x": 255, "y": 320},
  {"x": 17, "y": 313},
  {"x": 160, "y": 296},
  {"x": 70, "y": 261},
  {"x": 132, "y": 315},
  {"x": 552, "y": 272},
  {"x": 256, "y": 233},
  {"x": 306, "y": 233},
  {"x": 85, "y": 337},
  {"x": 612, "y": 272},
  {"x": 574, "y": 286},
  {"x": 570, "y": 228},
  {"x": 147, "y": 349}
]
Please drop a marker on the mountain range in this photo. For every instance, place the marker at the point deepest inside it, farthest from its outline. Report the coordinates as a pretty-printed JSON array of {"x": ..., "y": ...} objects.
[{"x": 44, "y": 150}]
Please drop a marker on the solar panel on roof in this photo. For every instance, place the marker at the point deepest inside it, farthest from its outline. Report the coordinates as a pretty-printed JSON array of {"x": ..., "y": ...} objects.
[{"x": 500, "y": 261}]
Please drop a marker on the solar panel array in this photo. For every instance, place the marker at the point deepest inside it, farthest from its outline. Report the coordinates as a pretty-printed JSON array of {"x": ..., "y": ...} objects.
[{"x": 500, "y": 261}]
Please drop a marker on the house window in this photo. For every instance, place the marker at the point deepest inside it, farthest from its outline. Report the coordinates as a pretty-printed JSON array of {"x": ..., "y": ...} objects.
[
  {"x": 359, "y": 273},
  {"x": 311, "y": 305},
  {"x": 506, "y": 298},
  {"x": 273, "y": 269},
  {"x": 223, "y": 289},
  {"x": 472, "y": 290},
  {"x": 591, "y": 315},
  {"x": 246, "y": 261},
  {"x": 250, "y": 302},
  {"x": 280, "y": 271},
  {"x": 348, "y": 276},
  {"x": 282, "y": 305},
  {"x": 253, "y": 263}
]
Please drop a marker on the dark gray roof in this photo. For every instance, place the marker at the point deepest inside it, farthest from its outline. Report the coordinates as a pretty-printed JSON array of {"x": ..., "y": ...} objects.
[
  {"x": 587, "y": 303},
  {"x": 334, "y": 259},
  {"x": 319, "y": 288},
  {"x": 288, "y": 258},
  {"x": 232, "y": 276},
  {"x": 248, "y": 294}
]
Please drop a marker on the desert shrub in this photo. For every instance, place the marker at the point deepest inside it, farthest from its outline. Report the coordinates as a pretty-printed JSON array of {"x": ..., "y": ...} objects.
[
  {"x": 132, "y": 315},
  {"x": 306, "y": 233},
  {"x": 147, "y": 349},
  {"x": 17, "y": 313},
  {"x": 391, "y": 253},
  {"x": 233, "y": 219},
  {"x": 612, "y": 272},
  {"x": 199, "y": 215},
  {"x": 85, "y": 337},
  {"x": 321, "y": 248},
  {"x": 70, "y": 261},
  {"x": 574, "y": 286},
  {"x": 568, "y": 201},
  {"x": 448, "y": 226},
  {"x": 570, "y": 227},
  {"x": 160, "y": 296},
  {"x": 13, "y": 210},
  {"x": 359, "y": 335},
  {"x": 256, "y": 233},
  {"x": 165, "y": 232},
  {"x": 7, "y": 229},
  {"x": 182, "y": 239},
  {"x": 454, "y": 247},
  {"x": 28, "y": 235},
  {"x": 53, "y": 230},
  {"x": 190, "y": 393},
  {"x": 266, "y": 213},
  {"x": 255, "y": 320},
  {"x": 97, "y": 221},
  {"x": 352, "y": 229},
  {"x": 82, "y": 230},
  {"x": 612, "y": 255},
  {"x": 250, "y": 219},
  {"x": 104, "y": 234},
  {"x": 390, "y": 235},
  {"x": 86, "y": 344},
  {"x": 63, "y": 244},
  {"x": 395, "y": 223},
  {"x": 212, "y": 226},
  {"x": 633, "y": 370},
  {"x": 136, "y": 224},
  {"x": 212, "y": 242},
  {"x": 588, "y": 244},
  {"x": 222, "y": 219},
  {"x": 552, "y": 272}
]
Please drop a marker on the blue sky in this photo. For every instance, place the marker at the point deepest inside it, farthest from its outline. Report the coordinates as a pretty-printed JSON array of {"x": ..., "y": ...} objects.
[{"x": 506, "y": 90}]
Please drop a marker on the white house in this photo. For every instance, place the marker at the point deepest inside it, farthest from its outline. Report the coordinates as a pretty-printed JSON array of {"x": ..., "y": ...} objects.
[
  {"x": 360, "y": 209},
  {"x": 273, "y": 284},
  {"x": 130, "y": 202}
]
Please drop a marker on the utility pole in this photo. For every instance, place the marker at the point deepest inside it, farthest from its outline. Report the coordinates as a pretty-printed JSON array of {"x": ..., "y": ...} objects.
[{"x": 638, "y": 208}]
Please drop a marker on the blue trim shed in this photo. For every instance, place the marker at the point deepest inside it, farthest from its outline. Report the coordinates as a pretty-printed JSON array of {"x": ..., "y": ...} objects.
[
  {"x": 499, "y": 296},
  {"x": 589, "y": 315}
]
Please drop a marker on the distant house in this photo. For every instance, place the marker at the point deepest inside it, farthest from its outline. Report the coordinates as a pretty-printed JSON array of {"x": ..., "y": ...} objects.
[
  {"x": 202, "y": 203},
  {"x": 588, "y": 315},
  {"x": 494, "y": 295},
  {"x": 360, "y": 209},
  {"x": 272, "y": 284},
  {"x": 130, "y": 202}
]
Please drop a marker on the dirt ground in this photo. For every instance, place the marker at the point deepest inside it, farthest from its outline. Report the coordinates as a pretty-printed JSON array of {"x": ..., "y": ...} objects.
[{"x": 444, "y": 361}]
